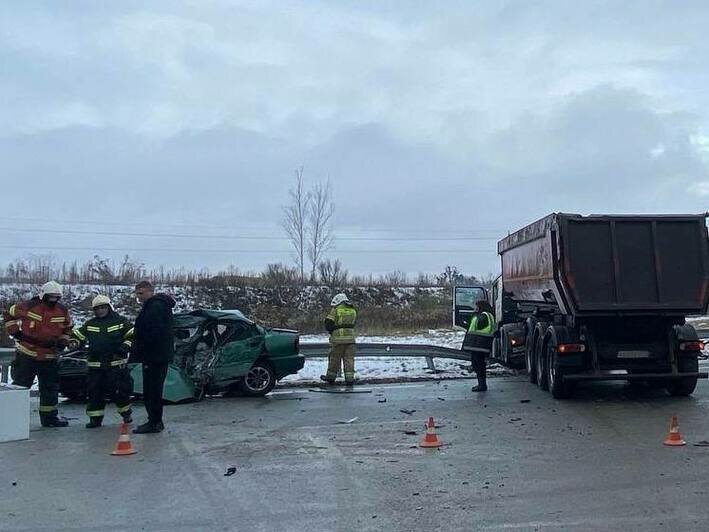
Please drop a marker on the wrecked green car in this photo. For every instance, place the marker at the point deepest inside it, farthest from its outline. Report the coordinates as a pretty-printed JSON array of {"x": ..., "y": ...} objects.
[{"x": 216, "y": 351}]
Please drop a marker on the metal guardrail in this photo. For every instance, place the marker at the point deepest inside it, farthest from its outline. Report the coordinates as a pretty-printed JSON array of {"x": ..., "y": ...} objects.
[
  {"x": 429, "y": 352},
  {"x": 7, "y": 355},
  {"x": 321, "y": 350}
]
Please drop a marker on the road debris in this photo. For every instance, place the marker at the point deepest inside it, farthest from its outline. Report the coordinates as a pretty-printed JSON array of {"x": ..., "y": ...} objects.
[
  {"x": 407, "y": 412},
  {"x": 347, "y": 389},
  {"x": 230, "y": 471},
  {"x": 702, "y": 443},
  {"x": 348, "y": 421},
  {"x": 382, "y": 400},
  {"x": 525, "y": 400}
]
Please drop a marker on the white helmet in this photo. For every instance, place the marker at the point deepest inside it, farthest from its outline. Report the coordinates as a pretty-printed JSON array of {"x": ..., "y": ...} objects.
[
  {"x": 339, "y": 299},
  {"x": 52, "y": 288},
  {"x": 100, "y": 300}
]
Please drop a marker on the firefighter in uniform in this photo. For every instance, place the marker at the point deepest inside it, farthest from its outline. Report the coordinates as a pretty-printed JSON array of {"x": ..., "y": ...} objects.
[
  {"x": 108, "y": 336},
  {"x": 41, "y": 328},
  {"x": 340, "y": 323},
  {"x": 478, "y": 341}
]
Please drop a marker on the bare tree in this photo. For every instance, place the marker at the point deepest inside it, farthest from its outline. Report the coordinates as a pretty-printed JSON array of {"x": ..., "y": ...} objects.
[
  {"x": 332, "y": 273},
  {"x": 320, "y": 235},
  {"x": 295, "y": 220}
]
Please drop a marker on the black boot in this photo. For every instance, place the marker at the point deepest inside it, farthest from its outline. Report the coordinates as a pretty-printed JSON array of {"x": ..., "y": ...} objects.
[
  {"x": 53, "y": 421},
  {"x": 94, "y": 422},
  {"x": 149, "y": 428},
  {"x": 482, "y": 385},
  {"x": 327, "y": 379}
]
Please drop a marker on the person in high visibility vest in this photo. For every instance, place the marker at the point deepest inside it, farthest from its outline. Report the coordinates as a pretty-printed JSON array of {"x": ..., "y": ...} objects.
[
  {"x": 340, "y": 323},
  {"x": 478, "y": 340},
  {"x": 109, "y": 341},
  {"x": 41, "y": 328}
]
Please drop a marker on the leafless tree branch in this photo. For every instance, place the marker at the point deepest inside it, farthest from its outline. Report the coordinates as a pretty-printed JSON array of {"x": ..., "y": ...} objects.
[
  {"x": 320, "y": 236},
  {"x": 295, "y": 220}
]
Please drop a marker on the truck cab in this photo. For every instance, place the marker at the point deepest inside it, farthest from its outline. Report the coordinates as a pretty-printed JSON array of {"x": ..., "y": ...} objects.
[{"x": 508, "y": 343}]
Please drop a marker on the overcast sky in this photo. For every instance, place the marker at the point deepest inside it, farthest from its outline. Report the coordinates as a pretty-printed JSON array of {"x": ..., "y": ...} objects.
[{"x": 461, "y": 120}]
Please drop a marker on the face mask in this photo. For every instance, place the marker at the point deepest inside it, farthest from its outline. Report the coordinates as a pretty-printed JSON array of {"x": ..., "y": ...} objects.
[{"x": 50, "y": 302}]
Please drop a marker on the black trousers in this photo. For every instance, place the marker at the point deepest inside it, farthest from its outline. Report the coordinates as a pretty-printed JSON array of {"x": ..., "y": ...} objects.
[
  {"x": 26, "y": 368},
  {"x": 115, "y": 383},
  {"x": 154, "y": 374},
  {"x": 479, "y": 366}
]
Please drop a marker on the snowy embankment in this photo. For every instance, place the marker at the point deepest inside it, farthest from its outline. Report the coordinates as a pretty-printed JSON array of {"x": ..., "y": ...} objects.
[{"x": 383, "y": 369}]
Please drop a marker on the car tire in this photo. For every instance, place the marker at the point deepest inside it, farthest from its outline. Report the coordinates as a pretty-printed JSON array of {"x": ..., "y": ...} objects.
[
  {"x": 259, "y": 380},
  {"x": 685, "y": 387}
]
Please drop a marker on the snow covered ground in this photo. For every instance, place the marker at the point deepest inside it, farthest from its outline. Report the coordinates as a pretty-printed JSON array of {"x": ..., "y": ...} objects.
[
  {"x": 396, "y": 368},
  {"x": 408, "y": 368}
]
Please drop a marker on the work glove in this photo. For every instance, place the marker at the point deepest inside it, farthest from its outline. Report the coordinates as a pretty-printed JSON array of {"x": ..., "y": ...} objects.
[{"x": 74, "y": 345}]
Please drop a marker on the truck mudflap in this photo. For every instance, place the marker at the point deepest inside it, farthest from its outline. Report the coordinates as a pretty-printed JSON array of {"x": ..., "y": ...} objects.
[{"x": 634, "y": 377}]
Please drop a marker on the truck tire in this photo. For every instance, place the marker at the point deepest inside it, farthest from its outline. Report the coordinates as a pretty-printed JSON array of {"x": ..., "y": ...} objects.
[
  {"x": 529, "y": 351},
  {"x": 530, "y": 361},
  {"x": 503, "y": 351},
  {"x": 495, "y": 353},
  {"x": 555, "y": 380},
  {"x": 685, "y": 387},
  {"x": 541, "y": 364}
]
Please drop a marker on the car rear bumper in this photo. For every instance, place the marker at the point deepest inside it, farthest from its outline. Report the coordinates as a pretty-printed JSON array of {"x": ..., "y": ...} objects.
[{"x": 285, "y": 366}]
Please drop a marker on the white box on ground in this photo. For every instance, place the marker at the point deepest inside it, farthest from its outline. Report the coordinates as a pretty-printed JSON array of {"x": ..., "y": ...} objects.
[{"x": 14, "y": 413}]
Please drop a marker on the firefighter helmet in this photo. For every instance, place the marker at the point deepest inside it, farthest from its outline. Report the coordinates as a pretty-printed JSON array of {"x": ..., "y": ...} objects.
[
  {"x": 100, "y": 300},
  {"x": 52, "y": 288},
  {"x": 339, "y": 299}
]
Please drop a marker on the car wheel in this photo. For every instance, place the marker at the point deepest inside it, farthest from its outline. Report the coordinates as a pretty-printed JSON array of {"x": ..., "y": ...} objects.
[{"x": 259, "y": 380}]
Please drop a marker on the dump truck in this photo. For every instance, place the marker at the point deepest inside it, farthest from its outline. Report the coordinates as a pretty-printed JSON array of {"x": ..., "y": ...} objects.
[{"x": 604, "y": 297}]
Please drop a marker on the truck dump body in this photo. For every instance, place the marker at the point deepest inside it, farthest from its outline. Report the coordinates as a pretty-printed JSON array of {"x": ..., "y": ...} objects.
[{"x": 606, "y": 265}]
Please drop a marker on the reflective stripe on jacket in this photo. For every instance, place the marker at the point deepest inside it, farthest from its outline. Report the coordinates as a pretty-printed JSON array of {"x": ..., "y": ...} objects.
[
  {"x": 486, "y": 329},
  {"x": 343, "y": 319},
  {"x": 41, "y": 326},
  {"x": 109, "y": 339}
]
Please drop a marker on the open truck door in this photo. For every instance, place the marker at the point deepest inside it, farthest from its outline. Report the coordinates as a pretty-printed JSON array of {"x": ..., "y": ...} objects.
[{"x": 464, "y": 299}]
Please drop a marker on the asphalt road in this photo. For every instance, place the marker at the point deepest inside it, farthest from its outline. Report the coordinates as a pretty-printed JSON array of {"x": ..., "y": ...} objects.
[{"x": 592, "y": 463}]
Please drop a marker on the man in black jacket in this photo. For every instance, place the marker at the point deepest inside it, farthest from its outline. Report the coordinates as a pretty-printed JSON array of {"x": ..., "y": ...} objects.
[{"x": 153, "y": 346}]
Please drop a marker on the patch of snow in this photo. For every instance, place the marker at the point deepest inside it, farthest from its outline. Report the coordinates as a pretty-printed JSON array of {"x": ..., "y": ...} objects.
[{"x": 397, "y": 368}]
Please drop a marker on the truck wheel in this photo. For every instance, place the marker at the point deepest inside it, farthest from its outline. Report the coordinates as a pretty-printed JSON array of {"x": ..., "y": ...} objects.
[
  {"x": 495, "y": 353},
  {"x": 530, "y": 361},
  {"x": 502, "y": 347},
  {"x": 259, "y": 380},
  {"x": 686, "y": 386},
  {"x": 558, "y": 388},
  {"x": 541, "y": 365}
]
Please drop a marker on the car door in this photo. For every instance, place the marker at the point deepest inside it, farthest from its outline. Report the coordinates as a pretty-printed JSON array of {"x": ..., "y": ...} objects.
[{"x": 240, "y": 344}]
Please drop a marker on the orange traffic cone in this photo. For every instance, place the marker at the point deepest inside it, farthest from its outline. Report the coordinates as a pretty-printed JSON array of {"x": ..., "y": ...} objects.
[
  {"x": 674, "y": 438},
  {"x": 430, "y": 439},
  {"x": 123, "y": 445}
]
